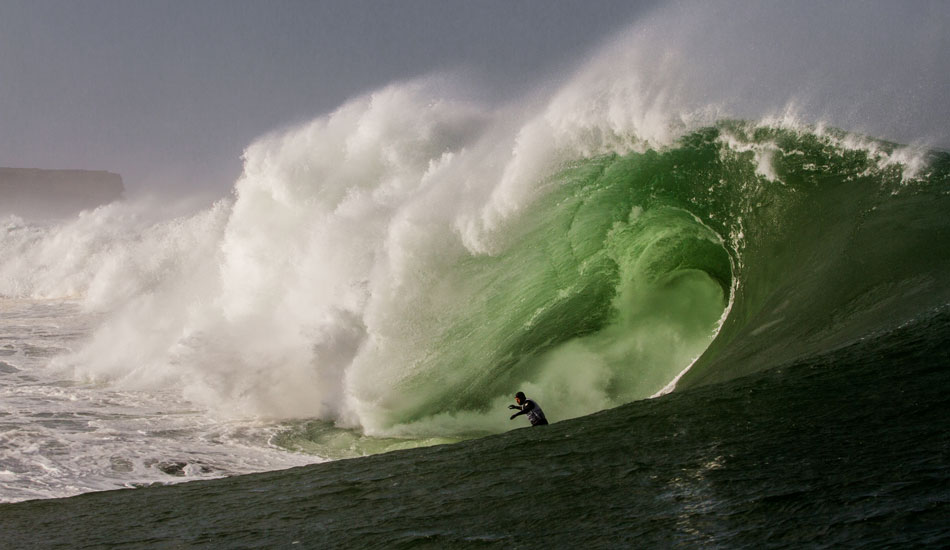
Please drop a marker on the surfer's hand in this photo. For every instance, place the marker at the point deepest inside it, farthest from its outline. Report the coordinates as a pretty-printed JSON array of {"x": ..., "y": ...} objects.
[
  {"x": 512, "y": 406},
  {"x": 512, "y": 417}
]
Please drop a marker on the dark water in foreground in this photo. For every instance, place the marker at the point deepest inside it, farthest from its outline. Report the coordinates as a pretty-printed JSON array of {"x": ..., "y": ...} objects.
[{"x": 847, "y": 449}]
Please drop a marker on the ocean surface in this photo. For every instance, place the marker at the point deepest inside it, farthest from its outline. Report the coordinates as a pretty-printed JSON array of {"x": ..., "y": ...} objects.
[
  {"x": 848, "y": 449},
  {"x": 738, "y": 325}
]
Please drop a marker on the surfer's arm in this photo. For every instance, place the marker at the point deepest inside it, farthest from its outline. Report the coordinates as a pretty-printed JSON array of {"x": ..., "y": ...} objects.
[{"x": 526, "y": 408}]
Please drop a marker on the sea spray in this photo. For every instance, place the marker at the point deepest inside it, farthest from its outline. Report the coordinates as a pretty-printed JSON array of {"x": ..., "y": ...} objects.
[
  {"x": 399, "y": 265},
  {"x": 339, "y": 281}
]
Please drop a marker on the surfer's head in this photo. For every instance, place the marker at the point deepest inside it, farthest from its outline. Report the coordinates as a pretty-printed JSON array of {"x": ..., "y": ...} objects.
[{"x": 519, "y": 398}]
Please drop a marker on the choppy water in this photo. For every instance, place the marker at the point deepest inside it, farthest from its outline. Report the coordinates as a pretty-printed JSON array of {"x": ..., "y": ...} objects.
[{"x": 59, "y": 436}]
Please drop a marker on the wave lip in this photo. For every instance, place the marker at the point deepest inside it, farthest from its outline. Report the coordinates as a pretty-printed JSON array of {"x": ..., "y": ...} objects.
[{"x": 838, "y": 245}]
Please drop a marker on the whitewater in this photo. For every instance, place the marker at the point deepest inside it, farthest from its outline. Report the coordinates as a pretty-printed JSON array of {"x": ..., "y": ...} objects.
[{"x": 387, "y": 275}]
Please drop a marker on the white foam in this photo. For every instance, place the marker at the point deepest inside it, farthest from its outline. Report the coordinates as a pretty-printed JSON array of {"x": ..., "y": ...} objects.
[
  {"x": 61, "y": 438},
  {"x": 297, "y": 298}
]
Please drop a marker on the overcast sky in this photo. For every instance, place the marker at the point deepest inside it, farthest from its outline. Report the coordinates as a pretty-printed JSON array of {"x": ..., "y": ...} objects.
[{"x": 169, "y": 93}]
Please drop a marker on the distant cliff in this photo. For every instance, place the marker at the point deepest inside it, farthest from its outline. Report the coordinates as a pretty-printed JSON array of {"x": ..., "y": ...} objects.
[{"x": 34, "y": 193}]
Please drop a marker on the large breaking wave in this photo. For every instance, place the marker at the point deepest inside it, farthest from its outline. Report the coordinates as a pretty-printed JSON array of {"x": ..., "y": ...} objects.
[{"x": 405, "y": 263}]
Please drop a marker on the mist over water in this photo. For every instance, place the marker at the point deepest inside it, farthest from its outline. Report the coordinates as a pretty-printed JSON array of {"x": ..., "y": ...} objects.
[{"x": 402, "y": 265}]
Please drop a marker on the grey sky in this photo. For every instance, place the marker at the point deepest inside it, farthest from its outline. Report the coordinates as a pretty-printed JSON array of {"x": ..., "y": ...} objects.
[{"x": 168, "y": 93}]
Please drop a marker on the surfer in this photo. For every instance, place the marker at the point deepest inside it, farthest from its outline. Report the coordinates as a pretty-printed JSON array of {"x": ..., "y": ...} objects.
[{"x": 530, "y": 408}]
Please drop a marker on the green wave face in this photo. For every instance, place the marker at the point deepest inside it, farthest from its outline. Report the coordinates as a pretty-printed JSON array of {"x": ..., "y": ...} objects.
[
  {"x": 844, "y": 240},
  {"x": 608, "y": 287},
  {"x": 620, "y": 275},
  {"x": 602, "y": 297}
]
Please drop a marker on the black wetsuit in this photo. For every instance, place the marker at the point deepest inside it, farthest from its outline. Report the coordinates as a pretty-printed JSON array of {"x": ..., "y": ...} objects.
[{"x": 534, "y": 412}]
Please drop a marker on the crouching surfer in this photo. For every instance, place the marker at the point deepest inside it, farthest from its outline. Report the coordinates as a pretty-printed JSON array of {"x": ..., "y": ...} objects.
[{"x": 530, "y": 408}]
